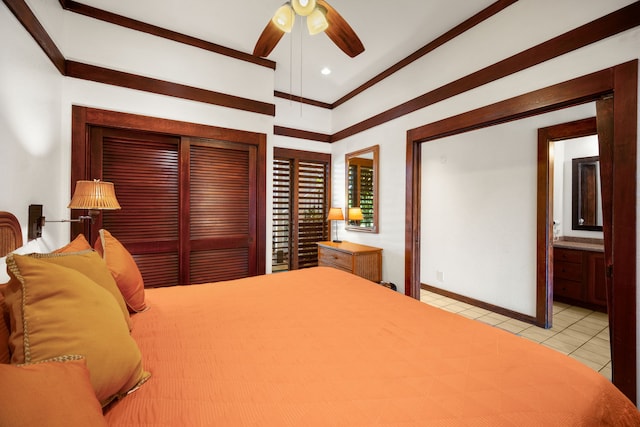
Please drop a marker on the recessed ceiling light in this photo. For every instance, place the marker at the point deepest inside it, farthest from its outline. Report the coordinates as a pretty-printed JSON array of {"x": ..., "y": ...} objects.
[{"x": 326, "y": 71}]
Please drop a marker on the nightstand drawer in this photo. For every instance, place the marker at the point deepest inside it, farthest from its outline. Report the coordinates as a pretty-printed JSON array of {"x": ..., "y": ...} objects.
[
  {"x": 335, "y": 258},
  {"x": 364, "y": 261}
]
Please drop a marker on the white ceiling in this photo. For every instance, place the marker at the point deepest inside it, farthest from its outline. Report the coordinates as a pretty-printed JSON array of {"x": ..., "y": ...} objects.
[{"x": 389, "y": 30}]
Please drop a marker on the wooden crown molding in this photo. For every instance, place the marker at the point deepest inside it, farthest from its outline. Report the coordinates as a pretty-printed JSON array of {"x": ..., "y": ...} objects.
[
  {"x": 69, "y": 68},
  {"x": 133, "y": 24},
  {"x": 616, "y": 22},
  {"x": 476, "y": 19},
  {"x": 25, "y": 16},
  {"x": 609, "y": 25},
  {"x": 162, "y": 87},
  {"x": 301, "y": 100},
  {"x": 301, "y": 134}
]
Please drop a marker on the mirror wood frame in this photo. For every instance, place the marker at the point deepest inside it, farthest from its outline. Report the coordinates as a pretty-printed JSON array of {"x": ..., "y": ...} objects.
[
  {"x": 578, "y": 194},
  {"x": 621, "y": 81},
  {"x": 375, "y": 151}
]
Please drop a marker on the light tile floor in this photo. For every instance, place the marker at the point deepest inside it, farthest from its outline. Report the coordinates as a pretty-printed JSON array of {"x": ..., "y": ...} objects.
[{"x": 581, "y": 333}]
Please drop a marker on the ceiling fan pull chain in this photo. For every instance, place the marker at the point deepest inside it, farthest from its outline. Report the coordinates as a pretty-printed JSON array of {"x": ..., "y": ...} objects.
[{"x": 301, "y": 77}]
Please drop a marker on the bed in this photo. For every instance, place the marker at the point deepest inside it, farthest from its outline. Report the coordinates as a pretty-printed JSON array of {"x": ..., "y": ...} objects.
[{"x": 321, "y": 347}]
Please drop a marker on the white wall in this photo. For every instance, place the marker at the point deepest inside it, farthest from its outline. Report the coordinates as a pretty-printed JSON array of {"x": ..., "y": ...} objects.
[
  {"x": 479, "y": 204},
  {"x": 30, "y": 150}
]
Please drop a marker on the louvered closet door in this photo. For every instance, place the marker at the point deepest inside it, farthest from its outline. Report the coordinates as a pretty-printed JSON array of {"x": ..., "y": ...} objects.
[
  {"x": 145, "y": 171},
  {"x": 222, "y": 201},
  {"x": 300, "y": 206},
  {"x": 188, "y": 205},
  {"x": 312, "y": 211},
  {"x": 281, "y": 214}
]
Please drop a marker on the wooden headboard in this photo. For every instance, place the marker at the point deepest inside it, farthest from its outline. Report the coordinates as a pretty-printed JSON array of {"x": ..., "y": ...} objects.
[{"x": 10, "y": 233}]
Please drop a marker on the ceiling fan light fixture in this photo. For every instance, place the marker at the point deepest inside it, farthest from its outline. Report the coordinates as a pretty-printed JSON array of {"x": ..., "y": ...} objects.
[
  {"x": 284, "y": 18},
  {"x": 317, "y": 21},
  {"x": 303, "y": 7}
]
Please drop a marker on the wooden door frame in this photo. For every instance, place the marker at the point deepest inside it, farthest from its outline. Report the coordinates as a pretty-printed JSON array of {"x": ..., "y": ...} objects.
[
  {"x": 622, "y": 82},
  {"x": 83, "y": 118},
  {"x": 547, "y": 137}
]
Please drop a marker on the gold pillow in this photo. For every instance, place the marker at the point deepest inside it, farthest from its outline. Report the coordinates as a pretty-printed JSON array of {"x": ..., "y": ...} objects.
[
  {"x": 89, "y": 263},
  {"x": 56, "y": 310},
  {"x": 124, "y": 269},
  {"x": 52, "y": 394}
]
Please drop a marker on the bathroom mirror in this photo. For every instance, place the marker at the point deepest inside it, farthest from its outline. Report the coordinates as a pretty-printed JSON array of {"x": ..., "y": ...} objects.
[
  {"x": 586, "y": 200},
  {"x": 362, "y": 190}
]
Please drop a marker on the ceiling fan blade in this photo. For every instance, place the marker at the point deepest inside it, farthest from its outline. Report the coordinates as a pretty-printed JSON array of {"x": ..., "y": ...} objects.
[
  {"x": 341, "y": 33},
  {"x": 268, "y": 40}
]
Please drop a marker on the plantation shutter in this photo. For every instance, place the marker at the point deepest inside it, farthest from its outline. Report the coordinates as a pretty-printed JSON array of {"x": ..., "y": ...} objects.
[
  {"x": 281, "y": 214},
  {"x": 312, "y": 211},
  {"x": 300, "y": 206}
]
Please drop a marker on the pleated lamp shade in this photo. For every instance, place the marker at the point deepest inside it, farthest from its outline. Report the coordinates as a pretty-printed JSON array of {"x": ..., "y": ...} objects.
[
  {"x": 94, "y": 195},
  {"x": 355, "y": 214},
  {"x": 335, "y": 214}
]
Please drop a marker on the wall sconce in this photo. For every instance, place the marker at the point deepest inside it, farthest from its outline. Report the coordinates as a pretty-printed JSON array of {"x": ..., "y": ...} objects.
[
  {"x": 335, "y": 214},
  {"x": 355, "y": 214},
  {"x": 93, "y": 195}
]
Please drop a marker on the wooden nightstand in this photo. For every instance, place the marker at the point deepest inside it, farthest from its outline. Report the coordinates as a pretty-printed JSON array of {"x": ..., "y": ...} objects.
[{"x": 365, "y": 261}]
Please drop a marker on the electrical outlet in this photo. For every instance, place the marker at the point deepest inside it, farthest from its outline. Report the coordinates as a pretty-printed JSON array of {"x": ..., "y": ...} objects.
[{"x": 440, "y": 276}]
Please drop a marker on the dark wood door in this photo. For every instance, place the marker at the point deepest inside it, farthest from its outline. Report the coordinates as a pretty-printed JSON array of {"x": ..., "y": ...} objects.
[{"x": 188, "y": 204}]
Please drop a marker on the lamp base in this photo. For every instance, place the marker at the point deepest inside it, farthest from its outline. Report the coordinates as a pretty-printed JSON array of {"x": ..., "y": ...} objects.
[{"x": 337, "y": 241}]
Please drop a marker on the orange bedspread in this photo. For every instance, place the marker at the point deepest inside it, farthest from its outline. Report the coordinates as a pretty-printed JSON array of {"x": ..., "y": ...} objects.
[{"x": 320, "y": 347}]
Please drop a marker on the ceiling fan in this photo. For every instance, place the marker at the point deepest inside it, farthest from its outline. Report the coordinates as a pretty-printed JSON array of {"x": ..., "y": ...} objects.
[{"x": 320, "y": 17}]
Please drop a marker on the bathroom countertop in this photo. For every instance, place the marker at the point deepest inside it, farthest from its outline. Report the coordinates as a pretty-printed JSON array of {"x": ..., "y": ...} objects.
[{"x": 594, "y": 245}]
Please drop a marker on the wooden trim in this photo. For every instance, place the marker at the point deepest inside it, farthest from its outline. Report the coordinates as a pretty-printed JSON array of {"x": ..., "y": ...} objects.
[
  {"x": 478, "y": 303},
  {"x": 614, "y": 23},
  {"x": 290, "y": 153},
  {"x": 30, "y": 22},
  {"x": 162, "y": 87},
  {"x": 621, "y": 20},
  {"x": 544, "y": 252},
  {"x": 134, "y": 24},
  {"x": 625, "y": 135},
  {"x": 302, "y": 100},
  {"x": 622, "y": 80},
  {"x": 114, "y": 119},
  {"x": 476, "y": 19},
  {"x": 573, "y": 92},
  {"x": 301, "y": 134}
]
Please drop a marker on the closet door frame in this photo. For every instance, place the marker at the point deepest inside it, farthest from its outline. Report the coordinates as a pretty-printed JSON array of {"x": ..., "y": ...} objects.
[{"x": 83, "y": 118}]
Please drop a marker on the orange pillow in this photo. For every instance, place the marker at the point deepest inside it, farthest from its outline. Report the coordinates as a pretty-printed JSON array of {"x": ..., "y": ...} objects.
[
  {"x": 78, "y": 244},
  {"x": 124, "y": 269},
  {"x": 52, "y": 394},
  {"x": 5, "y": 355},
  {"x": 89, "y": 263},
  {"x": 61, "y": 311}
]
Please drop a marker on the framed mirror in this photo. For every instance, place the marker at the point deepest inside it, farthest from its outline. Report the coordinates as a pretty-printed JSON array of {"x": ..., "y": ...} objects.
[
  {"x": 362, "y": 190},
  {"x": 586, "y": 200}
]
